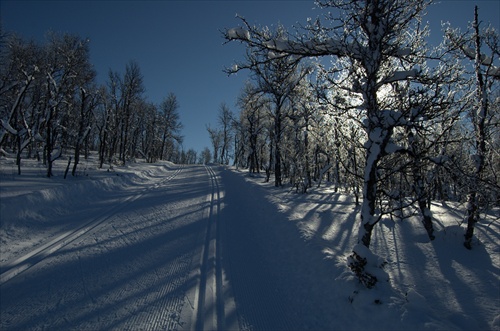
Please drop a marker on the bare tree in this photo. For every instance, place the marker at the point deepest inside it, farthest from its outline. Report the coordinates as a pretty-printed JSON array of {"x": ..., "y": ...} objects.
[
  {"x": 216, "y": 137},
  {"x": 225, "y": 120},
  {"x": 372, "y": 39},
  {"x": 66, "y": 69},
  {"x": 20, "y": 70},
  {"x": 205, "y": 156},
  {"x": 131, "y": 90},
  {"x": 170, "y": 123},
  {"x": 88, "y": 101},
  {"x": 471, "y": 46}
]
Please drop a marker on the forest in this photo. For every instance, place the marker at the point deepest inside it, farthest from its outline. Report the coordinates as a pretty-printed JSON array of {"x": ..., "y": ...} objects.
[
  {"x": 363, "y": 101},
  {"x": 360, "y": 101},
  {"x": 52, "y": 107}
]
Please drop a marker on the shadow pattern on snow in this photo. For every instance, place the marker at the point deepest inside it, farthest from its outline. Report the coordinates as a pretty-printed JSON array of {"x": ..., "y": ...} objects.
[{"x": 133, "y": 272}]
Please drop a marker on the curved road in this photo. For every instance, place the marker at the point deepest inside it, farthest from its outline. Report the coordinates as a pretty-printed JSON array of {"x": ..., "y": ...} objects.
[{"x": 190, "y": 252}]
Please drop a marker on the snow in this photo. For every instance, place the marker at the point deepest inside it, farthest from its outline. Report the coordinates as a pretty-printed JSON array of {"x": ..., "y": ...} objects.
[
  {"x": 377, "y": 135},
  {"x": 494, "y": 71},
  {"x": 287, "y": 254},
  {"x": 401, "y": 75},
  {"x": 56, "y": 153},
  {"x": 392, "y": 118},
  {"x": 279, "y": 44},
  {"x": 273, "y": 55},
  {"x": 471, "y": 53},
  {"x": 238, "y": 33}
]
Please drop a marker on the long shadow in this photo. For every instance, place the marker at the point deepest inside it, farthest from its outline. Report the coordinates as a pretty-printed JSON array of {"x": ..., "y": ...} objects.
[
  {"x": 136, "y": 280},
  {"x": 333, "y": 219},
  {"x": 457, "y": 285},
  {"x": 270, "y": 265}
]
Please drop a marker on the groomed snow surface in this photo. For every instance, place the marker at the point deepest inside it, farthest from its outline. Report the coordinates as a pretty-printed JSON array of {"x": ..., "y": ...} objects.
[{"x": 163, "y": 246}]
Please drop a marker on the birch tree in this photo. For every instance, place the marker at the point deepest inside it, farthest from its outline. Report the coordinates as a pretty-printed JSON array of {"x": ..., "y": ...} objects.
[
  {"x": 132, "y": 89},
  {"x": 67, "y": 67},
  {"x": 225, "y": 120},
  {"x": 277, "y": 77},
  {"x": 170, "y": 124},
  {"x": 20, "y": 69},
  {"x": 371, "y": 36},
  {"x": 482, "y": 49}
]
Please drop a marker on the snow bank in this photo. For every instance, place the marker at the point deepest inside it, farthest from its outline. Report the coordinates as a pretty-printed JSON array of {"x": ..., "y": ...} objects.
[{"x": 34, "y": 208}]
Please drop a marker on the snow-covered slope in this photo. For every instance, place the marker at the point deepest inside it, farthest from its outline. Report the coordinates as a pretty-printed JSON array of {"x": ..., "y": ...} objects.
[{"x": 34, "y": 208}]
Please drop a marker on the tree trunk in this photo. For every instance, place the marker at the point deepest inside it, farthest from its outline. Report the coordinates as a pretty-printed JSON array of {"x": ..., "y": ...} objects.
[
  {"x": 479, "y": 126},
  {"x": 368, "y": 205},
  {"x": 18, "y": 155},
  {"x": 277, "y": 150}
]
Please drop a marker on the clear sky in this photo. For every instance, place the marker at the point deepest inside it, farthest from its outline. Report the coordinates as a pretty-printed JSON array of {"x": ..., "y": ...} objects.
[{"x": 178, "y": 44}]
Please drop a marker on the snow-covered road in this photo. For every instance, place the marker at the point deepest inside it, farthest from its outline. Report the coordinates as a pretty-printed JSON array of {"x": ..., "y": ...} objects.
[
  {"x": 188, "y": 250},
  {"x": 135, "y": 264},
  {"x": 167, "y": 247}
]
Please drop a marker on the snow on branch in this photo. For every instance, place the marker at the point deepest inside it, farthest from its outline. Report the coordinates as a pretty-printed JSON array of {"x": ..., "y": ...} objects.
[
  {"x": 56, "y": 154},
  {"x": 471, "y": 54},
  {"x": 280, "y": 46},
  {"x": 238, "y": 33},
  {"x": 401, "y": 75},
  {"x": 494, "y": 72},
  {"x": 484, "y": 60}
]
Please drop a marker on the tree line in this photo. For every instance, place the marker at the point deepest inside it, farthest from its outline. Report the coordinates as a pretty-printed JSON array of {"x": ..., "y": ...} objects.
[
  {"x": 51, "y": 106},
  {"x": 363, "y": 100}
]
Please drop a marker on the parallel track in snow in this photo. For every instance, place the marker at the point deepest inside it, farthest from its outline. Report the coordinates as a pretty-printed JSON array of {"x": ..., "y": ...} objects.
[
  {"x": 19, "y": 265},
  {"x": 210, "y": 314}
]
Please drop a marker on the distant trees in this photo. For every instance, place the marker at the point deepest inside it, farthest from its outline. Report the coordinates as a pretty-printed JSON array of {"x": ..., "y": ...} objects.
[
  {"x": 51, "y": 106},
  {"x": 479, "y": 48},
  {"x": 383, "y": 119},
  {"x": 205, "y": 156},
  {"x": 221, "y": 137},
  {"x": 42, "y": 95},
  {"x": 225, "y": 122},
  {"x": 170, "y": 125}
]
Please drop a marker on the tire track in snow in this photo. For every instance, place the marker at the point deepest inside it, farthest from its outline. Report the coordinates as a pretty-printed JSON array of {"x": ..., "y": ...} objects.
[{"x": 32, "y": 258}]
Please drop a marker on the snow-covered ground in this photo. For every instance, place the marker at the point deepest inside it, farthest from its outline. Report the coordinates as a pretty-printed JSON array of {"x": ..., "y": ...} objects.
[{"x": 134, "y": 237}]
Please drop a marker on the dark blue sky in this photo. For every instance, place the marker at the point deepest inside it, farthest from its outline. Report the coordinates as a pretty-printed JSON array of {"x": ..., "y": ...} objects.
[{"x": 178, "y": 44}]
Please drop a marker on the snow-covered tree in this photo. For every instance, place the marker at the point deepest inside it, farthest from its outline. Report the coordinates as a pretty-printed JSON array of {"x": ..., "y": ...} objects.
[
  {"x": 66, "y": 69},
  {"x": 482, "y": 49},
  {"x": 20, "y": 73},
  {"x": 253, "y": 116},
  {"x": 380, "y": 41},
  {"x": 225, "y": 119},
  {"x": 49, "y": 102},
  {"x": 216, "y": 137},
  {"x": 170, "y": 124},
  {"x": 277, "y": 77}
]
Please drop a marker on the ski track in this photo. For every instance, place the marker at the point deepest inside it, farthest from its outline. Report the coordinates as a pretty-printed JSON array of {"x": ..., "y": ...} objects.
[
  {"x": 202, "y": 249},
  {"x": 130, "y": 270},
  {"x": 192, "y": 251}
]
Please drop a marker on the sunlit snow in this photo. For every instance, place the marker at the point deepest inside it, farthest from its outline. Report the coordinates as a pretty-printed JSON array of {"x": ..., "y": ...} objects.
[{"x": 304, "y": 240}]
